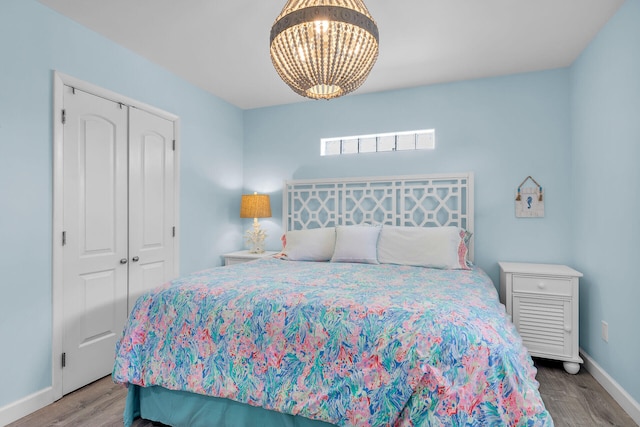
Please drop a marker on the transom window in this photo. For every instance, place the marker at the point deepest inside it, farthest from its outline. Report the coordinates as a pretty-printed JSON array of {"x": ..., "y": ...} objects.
[{"x": 396, "y": 141}]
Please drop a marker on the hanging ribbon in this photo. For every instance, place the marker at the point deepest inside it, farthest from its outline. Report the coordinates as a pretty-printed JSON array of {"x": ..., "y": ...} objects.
[{"x": 535, "y": 182}]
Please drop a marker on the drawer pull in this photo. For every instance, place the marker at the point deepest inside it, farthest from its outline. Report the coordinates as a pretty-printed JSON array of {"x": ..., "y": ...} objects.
[{"x": 541, "y": 285}]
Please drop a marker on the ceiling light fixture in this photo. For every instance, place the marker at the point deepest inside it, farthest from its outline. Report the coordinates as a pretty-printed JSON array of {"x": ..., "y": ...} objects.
[{"x": 324, "y": 49}]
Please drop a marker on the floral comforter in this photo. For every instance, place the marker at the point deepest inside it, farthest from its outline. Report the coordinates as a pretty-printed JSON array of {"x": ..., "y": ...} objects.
[{"x": 350, "y": 344}]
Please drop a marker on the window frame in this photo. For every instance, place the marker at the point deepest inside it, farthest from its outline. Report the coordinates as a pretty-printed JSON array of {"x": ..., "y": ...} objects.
[{"x": 384, "y": 142}]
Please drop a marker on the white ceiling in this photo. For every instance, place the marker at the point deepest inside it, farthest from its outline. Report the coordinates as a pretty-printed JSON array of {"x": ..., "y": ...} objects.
[{"x": 223, "y": 46}]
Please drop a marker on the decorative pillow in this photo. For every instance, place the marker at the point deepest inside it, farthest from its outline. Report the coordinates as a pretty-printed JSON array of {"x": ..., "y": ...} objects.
[
  {"x": 466, "y": 238},
  {"x": 435, "y": 247},
  {"x": 315, "y": 244},
  {"x": 356, "y": 243}
]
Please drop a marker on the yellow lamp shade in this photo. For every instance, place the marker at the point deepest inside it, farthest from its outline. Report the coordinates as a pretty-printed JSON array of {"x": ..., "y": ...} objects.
[{"x": 255, "y": 206}]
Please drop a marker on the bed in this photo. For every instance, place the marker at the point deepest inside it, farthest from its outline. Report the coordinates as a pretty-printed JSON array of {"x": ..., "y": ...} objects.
[{"x": 349, "y": 326}]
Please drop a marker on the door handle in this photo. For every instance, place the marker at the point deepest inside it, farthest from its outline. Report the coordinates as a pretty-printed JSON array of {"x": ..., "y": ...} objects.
[
  {"x": 123, "y": 261},
  {"x": 135, "y": 259}
]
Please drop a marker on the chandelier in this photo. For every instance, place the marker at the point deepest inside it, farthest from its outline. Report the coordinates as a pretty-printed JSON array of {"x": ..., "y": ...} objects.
[{"x": 324, "y": 49}]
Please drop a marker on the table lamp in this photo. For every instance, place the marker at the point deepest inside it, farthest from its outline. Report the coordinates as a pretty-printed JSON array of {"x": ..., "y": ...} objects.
[{"x": 255, "y": 206}]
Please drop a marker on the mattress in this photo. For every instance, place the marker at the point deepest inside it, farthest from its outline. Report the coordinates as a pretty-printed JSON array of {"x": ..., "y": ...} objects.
[{"x": 341, "y": 343}]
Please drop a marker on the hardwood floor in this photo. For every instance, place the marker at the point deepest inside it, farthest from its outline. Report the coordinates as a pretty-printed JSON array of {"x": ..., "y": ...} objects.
[
  {"x": 577, "y": 400},
  {"x": 573, "y": 401}
]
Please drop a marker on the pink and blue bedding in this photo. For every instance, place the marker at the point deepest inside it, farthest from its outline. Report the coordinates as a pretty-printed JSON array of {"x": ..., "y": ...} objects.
[{"x": 344, "y": 343}]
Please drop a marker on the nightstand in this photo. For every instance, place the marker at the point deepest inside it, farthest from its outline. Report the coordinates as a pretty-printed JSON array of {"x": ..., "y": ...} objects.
[
  {"x": 542, "y": 300},
  {"x": 244, "y": 256}
]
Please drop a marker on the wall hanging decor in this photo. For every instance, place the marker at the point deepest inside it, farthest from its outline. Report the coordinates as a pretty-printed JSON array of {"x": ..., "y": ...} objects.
[{"x": 529, "y": 199}]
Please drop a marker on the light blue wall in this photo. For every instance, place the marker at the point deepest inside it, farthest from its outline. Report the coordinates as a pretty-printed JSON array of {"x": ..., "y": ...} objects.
[
  {"x": 605, "y": 89},
  {"x": 34, "y": 41},
  {"x": 502, "y": 129}
]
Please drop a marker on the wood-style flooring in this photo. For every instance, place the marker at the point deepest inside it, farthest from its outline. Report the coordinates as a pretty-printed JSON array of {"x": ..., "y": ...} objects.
[{"x": 573, "y": 401}]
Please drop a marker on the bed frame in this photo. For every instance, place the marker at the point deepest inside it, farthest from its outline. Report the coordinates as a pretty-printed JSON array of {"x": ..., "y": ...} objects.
[
  {"x": 418, "y": 201},
  {"x": 413, "y": 200}
]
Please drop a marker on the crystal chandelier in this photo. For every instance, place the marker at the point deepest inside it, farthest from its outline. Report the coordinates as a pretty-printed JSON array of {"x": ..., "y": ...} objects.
[{"x": 324, "y": 49}]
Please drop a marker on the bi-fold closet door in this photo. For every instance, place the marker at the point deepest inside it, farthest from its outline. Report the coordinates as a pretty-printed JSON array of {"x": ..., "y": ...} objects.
[{"x": 118, "y": 222}]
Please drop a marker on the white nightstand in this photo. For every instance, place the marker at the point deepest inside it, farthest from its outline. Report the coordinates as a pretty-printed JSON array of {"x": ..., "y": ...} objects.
[
  {"x": 542, "y": 300},
  {"x": 244, "y": 256}
]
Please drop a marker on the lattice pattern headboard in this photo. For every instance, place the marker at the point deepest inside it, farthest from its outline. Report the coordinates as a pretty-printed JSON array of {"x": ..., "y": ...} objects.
[{"x": 417, "y": 201}]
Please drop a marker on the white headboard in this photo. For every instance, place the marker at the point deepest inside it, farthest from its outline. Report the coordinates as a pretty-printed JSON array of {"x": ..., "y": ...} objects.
[{"x": 415, "y": 200}]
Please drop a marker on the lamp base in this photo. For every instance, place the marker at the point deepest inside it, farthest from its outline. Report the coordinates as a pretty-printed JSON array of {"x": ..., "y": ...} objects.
[
  {"x": 255, "y": 238},
  {"x": 256, "y": 250}
]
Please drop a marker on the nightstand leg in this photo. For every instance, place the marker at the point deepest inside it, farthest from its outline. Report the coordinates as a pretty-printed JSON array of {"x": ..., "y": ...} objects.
[{"x": 571, "y": 367}]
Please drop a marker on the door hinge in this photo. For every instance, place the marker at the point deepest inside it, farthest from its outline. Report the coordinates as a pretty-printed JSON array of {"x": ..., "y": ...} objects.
[
  {"x": 64, "y": 238},
  {"x": 64, "y": 359},
  {"x": 174, "y": 231},
  {"x": 64, "y": 116},
  {"x": 174, "y": 145}
]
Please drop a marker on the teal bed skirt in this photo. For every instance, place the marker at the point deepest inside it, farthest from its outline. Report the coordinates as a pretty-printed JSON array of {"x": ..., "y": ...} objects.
[{"x": 184, "y": 409}]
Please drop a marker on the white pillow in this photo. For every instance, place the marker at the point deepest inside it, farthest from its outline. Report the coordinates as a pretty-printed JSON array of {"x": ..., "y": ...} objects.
[
  {"x": 356, "y": 243},
  {"x": 435, "y": 247},
  {"x": 315, "y": 244}
]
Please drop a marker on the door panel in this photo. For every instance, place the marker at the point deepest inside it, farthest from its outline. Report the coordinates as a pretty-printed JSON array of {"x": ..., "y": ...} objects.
[
  {"x": 150, "y": 275},
  {"x": 98, "y": 288},
  {"x": 151, "y": 201},
  {"x": 541, "y": 323},
  {"x": 96, "y": 176},
  {"x": 95, "y": 223}
]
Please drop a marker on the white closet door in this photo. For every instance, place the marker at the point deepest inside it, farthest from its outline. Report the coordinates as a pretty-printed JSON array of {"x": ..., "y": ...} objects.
[
  {"x": 95, "y": 222},
  {"x": 151, "y": 202}
]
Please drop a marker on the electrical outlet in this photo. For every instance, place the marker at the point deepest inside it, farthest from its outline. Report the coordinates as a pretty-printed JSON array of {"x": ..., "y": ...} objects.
[{"x": 605, "y": 331}]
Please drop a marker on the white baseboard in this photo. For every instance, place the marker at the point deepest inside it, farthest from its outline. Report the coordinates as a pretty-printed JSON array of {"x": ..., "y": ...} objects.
[
  {"x": 619, "y": 394},
  {"x": 25, "y": 406}
]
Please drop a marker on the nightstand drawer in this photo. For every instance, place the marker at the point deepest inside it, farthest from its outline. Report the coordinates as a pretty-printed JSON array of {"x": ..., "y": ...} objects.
[
  {"x": 232, "y": 261},
  {"x": 542, "y": 285},
  {"x": 245, "y": 256}
]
